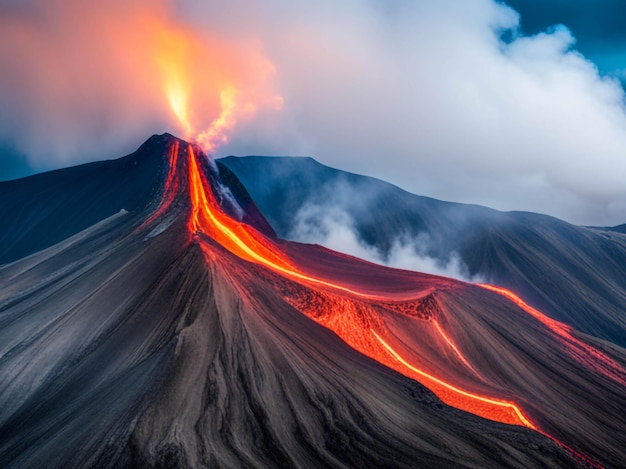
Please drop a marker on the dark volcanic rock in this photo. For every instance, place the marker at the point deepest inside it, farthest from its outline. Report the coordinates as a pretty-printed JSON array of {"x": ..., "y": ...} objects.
[
  {"x": 575, "y": 274},
  {"x": 136, "y": 343},
  {"x": 41, "y": 210},
  {"x": 126, "y": 352}
]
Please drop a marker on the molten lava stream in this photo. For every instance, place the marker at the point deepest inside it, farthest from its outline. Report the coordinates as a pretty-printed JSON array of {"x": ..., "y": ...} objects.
[
  {"x": 243, "y": 241},
  {"x": 487, "y": 407},
  {"x": 484, "y": 406},
  {"x": 171, "y": 188},
  {"x": 248, "y": 244},
  {"x": 582, "y": 352},
  {"x": 240, "y": 238},
  {"x": 236, "y": 237}
]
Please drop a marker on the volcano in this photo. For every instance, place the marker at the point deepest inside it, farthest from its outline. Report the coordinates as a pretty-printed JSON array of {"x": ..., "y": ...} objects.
[
  {"x": 576, "y": 274},
  {"x": 150, "y": 317}
]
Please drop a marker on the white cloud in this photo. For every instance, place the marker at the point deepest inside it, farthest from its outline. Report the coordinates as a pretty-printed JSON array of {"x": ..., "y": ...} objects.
[
  {"x": 334, "y": 229},
  {"x": 424, "y": 94}
]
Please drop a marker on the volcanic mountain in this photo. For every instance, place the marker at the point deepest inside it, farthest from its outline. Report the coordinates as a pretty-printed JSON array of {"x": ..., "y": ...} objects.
[
  {"x": 150, "y": 317},
  {"x": 573, "y": 273}
]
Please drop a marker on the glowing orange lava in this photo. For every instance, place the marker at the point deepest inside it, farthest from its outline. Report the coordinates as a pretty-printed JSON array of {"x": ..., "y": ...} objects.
[
  {"x": 237, "y": 237},
  {"x": 248, "y": 244},
  {"x": 240, "y": 238},
  {"x": 208, "y": 223},
  {"x": 582, "y": 352},
  {"x": 490, "y": 408},
  {"x": 172, "y": 185}
]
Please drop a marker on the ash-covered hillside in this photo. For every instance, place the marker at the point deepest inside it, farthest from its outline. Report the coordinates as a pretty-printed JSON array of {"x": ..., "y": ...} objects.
[
  {"x": 575, "y": 274},
  {"x": 171, "y": 328}
]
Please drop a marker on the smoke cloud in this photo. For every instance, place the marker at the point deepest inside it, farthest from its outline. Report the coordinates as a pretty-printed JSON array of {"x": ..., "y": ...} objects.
[
  {"x": 89, "y": 80},
  {"x": 445, "y": 98},
  {"x": 334, "y": 228}
]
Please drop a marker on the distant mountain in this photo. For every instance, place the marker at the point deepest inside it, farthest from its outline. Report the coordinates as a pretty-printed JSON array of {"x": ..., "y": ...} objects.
[
  {"x": 172, "y": 328},
  {"x": 575, "y": 274},
  {"x": 619, "y": 228}
]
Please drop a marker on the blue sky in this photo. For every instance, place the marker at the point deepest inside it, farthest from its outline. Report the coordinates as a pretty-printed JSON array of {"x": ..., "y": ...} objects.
[
  {"x": 424, "y": 94},
  {"x": 598, "y": 25},
  {"x": 13, "y": 164}
]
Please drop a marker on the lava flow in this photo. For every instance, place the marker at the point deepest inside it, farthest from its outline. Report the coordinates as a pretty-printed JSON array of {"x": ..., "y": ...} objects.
[
  {"x": 406, "y": 329},
  {"x": 239, "y": 238},
  {"x": 246, "y": 243},
  {"x": 580, "y": 351}
]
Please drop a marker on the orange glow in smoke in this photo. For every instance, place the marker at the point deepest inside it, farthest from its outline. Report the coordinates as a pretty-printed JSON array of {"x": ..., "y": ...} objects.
[
  {"x": 210, "y": 84},
  {"x": 217, "y": 133},
  {"x": 177, "y": 97},
  {"x": 194, "y": 68},
  {"x": 172, "y": 58}
]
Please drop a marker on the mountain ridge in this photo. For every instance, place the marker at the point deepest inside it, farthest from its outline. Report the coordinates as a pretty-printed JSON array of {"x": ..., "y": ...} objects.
[
  {"x": 586, "y": 287},
  {"x": 180, "y": 335}
]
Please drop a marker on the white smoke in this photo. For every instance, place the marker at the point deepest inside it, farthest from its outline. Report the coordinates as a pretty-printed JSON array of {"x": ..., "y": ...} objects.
[
  {"x": 227, "y": 196},
  {"x": 422, "y": 93},
  {"x": 427, "y": 95},
  {"x": 334, "y": 228}
]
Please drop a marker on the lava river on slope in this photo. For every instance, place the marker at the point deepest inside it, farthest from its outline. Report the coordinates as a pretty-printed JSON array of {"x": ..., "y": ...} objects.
[
  {"x": 345, "y": 310},
  {"x": 545, "y": 394}
]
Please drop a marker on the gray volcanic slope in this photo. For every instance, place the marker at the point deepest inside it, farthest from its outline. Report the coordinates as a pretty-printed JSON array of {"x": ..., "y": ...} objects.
[
  {"x": 576, "y": 274},
  {"x": 149, "y": 346},
  {"x": 41, "y": 210}
]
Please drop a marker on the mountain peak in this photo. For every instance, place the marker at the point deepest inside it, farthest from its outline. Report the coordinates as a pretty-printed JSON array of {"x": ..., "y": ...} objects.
[
  {"x": 63, "y": 202},
  {"x": 164, "y": 138},
  {"x": 179, "y": 334},
  {"x": 179, "y": 159}
]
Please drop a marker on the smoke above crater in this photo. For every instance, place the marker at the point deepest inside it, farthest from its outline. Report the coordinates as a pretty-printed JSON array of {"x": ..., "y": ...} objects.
[
  {"x": 85, "y": 80},
  {"x": 444, "y": 98}
]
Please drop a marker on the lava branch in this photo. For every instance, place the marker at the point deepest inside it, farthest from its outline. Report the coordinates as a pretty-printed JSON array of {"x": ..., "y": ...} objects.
[
  {"x": 453, "y": 346},
  {"x": 495, "y": 409},
  {"x": 475, "y": 403},
  {"x": 246, "y": 243},
  {"x": 582, "y": 352}
]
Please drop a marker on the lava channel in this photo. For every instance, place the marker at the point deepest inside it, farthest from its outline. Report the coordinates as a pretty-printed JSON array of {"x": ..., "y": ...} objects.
[{"x": 245, "y": 242}]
